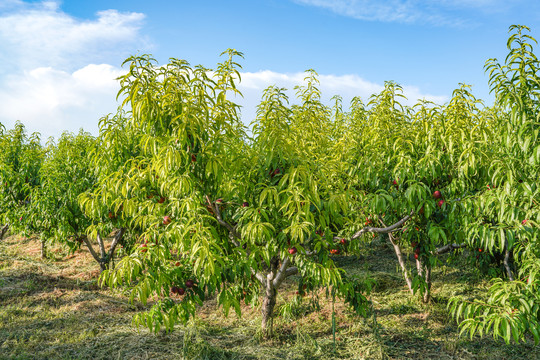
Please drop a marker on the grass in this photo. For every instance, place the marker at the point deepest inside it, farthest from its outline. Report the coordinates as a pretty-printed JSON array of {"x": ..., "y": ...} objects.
[{"x": 53, "y": 309}]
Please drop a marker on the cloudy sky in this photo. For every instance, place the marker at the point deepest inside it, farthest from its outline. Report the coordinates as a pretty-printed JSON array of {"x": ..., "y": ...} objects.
[{"x": 60, "y": 58}]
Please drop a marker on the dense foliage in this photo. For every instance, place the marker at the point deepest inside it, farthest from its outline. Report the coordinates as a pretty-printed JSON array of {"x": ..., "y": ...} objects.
[
  {"x": 64, "y": 175},
  {"x": 203, "y": 206}
]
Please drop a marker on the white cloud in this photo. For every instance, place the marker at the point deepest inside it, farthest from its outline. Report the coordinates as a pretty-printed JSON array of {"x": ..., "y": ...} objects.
[
  {"x": 435, "y": 12},
  {"x": 43, "y": 35},
  {"x": 53, "y": 84},
  {"x": 46, "y": 80},
  {"x": 346, "y": 86},
  {"x": 50, "y": 101}
]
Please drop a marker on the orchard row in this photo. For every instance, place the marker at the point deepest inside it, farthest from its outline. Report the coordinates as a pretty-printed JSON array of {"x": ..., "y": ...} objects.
[{"x": 198, "y": 206}]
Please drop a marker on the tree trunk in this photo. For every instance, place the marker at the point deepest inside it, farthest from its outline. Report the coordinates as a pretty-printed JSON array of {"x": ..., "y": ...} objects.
[
  {"x": 103, "y": 265},
  {"x": 427, "y": 277},
  {"x": 105, "y": 257},
  {"x": 43, "y": 250},
  {"x": 269, "y": 302},
  {"x": 3, "y": 231},
  {"x": 399, "y": 255},
  {"x": 424, "y": 271}
]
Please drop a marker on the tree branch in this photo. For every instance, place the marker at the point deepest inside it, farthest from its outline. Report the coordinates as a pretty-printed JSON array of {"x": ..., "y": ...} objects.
[
  {"x": 447, "y": 248},
  {"x": 401, "y": 262},
  {"x": 259, "y": 277},
  {"x": 506, "y": 261},
  {"x": 115, "y": 241},
  {"x": 293, "y": 270},
  {"x": 419, "y": 267},
  {"x": 101, "y": 245},
  {"x": 3, "y": 231},
  {"x": 232, "y": 230},
  {"x": 385, "y": 230},
  {"x": 281, "y": 272},
  {"x": 90, "y": 248}
]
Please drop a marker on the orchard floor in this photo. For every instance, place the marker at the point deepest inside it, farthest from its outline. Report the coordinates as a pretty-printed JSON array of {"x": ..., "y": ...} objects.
[{"x": 53, "y": 309}]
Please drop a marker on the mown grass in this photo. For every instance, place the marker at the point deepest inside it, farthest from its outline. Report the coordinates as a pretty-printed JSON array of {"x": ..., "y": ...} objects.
[{"x": 53, "y": 309}]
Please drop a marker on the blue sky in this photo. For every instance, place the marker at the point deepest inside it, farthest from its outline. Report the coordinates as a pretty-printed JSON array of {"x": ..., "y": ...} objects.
[{"x": 59, "y": 59}]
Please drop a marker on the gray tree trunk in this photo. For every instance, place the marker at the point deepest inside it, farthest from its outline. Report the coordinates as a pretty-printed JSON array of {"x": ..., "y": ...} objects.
[
  {"x": 269, "y": 302},
  {"x": 3, "y": 231},
  {"x": 43, "y": 249}
]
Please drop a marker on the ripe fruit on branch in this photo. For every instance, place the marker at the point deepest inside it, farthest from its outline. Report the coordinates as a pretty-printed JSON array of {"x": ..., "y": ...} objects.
[
  {"x": 193, "y": 158},
  {"x": 177, "y": 263},
  {"x": 437, "y": 194},
  {"x": 274, "y": 172},
  {"x": 162, "y": 200},
  {"x": 219, "y": 201},
  {"x": 166, "y": 220},
  {"x": 480, "y": 250},
  {"x": 292, "y": 250},
  {"x": 181, "y": 291},
  {"x": 343, "y": 241},
  {"x": 245, "y": 204},
  {"x": 143, "y": 247},
  {"x": 334, "y": 251},
  {"x": 524, "y": 222},
  {"x": 416, "y": 256},
  {"x": 190, "y": 283},
  {"x": 440, "y": 203},
  {"x": 111, "y": 215},
  {"x": 394, "y": 182}
]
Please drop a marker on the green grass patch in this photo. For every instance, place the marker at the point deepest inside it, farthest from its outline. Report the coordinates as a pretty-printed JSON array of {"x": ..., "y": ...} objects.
[{"x": 53, "y": 309}]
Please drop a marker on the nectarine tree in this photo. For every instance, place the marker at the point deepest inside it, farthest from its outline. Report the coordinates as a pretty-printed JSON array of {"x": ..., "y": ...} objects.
[
  {"x": 494, "y": 217},
  {"x": 235, "y": 205},
  {"x": 20, "y": 160},
  {"x": 65, "y": 173}
]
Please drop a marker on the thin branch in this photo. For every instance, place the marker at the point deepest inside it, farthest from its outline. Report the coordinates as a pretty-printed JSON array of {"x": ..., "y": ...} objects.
[
  {"x": 232, "y": 230},
  {"x": 115, "y": 241},
  {"x": 507, "y": 261},
  {"x": 101, "y": 245},
  {"x": 385, "y": 230},
  {"x": 3, "y": 231},
  {"x": 427, "y": 294},
  {"x": 90, "y": 248},
  {"x": 447, "y": 248},
  {"x": 291, "y": 271},
  {"x": 259, "y": 276},
  {"x": 273, "y": 271},
  {"x": 281, "y": 272},
  {"x": 419, "y": 268},
  {"x": 401, "y": 262}
]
